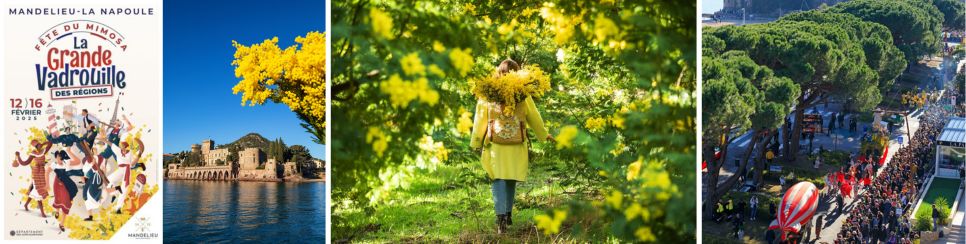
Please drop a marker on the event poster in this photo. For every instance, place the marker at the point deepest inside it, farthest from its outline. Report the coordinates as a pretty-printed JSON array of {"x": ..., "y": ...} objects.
[{"x": 82, "y": 120}]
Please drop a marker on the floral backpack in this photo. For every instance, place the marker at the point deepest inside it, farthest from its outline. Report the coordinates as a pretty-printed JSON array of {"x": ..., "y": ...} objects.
[{"x": 505, "y": 129}]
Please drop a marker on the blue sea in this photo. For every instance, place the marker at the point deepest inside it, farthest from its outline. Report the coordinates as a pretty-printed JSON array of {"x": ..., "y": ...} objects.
[{"x": 231, "y": 212}]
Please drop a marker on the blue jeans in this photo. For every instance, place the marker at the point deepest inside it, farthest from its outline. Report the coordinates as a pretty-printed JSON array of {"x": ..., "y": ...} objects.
[{"x": 503, "y": 192}]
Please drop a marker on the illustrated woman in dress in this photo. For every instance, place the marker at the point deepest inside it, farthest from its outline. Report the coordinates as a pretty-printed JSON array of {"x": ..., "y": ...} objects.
[
  {"x": 65, "y": 189},
  {"x": 37, "y": 161}
]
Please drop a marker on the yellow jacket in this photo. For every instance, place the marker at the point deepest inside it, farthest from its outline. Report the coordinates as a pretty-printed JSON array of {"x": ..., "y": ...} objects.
[{"x": 509, "y": 162}]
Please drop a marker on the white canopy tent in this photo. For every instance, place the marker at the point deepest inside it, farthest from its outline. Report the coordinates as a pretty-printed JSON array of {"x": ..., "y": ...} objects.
[{"x": 951, "y": 148}]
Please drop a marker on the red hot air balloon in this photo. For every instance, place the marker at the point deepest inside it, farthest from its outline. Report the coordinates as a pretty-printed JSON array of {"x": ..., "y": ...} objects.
[{"x": 796, "y": 209}]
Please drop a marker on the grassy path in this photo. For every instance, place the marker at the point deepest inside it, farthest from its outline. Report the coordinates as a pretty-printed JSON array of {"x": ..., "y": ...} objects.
[{"x": 454, "y": 204}]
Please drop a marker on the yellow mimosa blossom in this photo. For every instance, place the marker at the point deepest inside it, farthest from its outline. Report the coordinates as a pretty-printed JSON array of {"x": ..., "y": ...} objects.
[
  {"x": 461, "y": 60},
  {"x": 528, "y": 11},
  {"x": 465, "y": 123},
  {"x": 402, "y": 92},
  {"x": 618, "y": 148},
  {"x": 644, "y": 234},
  {"x": 634, "y": 169},
  {"x": 617, "y": 120},
  {"x": 658, "y": 179},
  {"x": 294, "y": 76},
  {"x": 469, "y": 7},
  {"x": 435, "y": 70},
  {"x": 441, "y": 152},
  {"x": 512, "y": 87},
  {"x": 106, "y": 222},
  {"x": 550, "y": 225},
  {"x": 381, "y": 23},
  {"x": 505, "y": 29},
  {"x": 595, "y": 124},
  {"x": 566, "y": 136},
  {"x": 412, "y": 65},
  {"x": 615, "y": 199},
  {"x": 438, "y": 47},
  {"x": 633, "y": 211},
  {"x": 561, "y": 24},
  {"x": 604, "y": 28},
  {"x": 424, "y": 92},
  {"x": 378, "y": 139},
  {"x": 259, "y": 67}
]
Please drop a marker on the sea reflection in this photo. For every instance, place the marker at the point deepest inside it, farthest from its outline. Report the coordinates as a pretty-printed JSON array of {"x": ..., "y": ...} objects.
[{"x": 213, "y": 211}]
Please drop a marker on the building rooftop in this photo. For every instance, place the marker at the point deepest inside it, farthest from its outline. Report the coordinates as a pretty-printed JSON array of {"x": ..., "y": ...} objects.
[{"x": 954, "y": 134}]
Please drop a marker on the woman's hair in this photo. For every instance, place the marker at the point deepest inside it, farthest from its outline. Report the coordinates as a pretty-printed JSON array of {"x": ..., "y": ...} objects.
[
  {"x": 507, "y": 66},
  {"x": 62, "y": 155}
]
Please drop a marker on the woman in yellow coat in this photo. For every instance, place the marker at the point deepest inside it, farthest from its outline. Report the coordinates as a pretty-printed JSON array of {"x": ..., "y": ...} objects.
[{"x": 506, "y": 164}]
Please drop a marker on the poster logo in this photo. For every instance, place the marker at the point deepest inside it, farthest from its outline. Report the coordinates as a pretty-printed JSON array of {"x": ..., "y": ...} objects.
[{"x": 79, "y": 60}]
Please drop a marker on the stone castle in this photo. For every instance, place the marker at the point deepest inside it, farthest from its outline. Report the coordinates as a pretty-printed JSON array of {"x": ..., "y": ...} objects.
[{"x": 217, "y": 167}]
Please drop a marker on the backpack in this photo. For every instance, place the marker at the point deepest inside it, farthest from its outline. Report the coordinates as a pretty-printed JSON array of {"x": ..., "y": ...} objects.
[{"x": 504, "y": 129}]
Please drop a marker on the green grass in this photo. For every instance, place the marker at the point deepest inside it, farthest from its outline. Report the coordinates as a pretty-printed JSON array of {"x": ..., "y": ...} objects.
[
  {"x": 454, "y": 204},
  {"x": 940, "y": 187}
]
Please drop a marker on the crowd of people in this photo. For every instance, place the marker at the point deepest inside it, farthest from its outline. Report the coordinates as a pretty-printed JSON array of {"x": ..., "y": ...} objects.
[
  {"x": 81, "y": 159},
  {"x": 881, "y": 212}
]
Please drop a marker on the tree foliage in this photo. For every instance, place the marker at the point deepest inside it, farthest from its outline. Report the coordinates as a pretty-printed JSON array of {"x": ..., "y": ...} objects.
[
  {"x": 831, "y": 53},
  {"x": 875, "y": 39},
  {"x": 954, "y": 13},
  {"x": 740, "y": 96},
  {"x": 622, "y": 99},
  {"x": 915, "y": 24},
  {"x": 852, "y": 52}
]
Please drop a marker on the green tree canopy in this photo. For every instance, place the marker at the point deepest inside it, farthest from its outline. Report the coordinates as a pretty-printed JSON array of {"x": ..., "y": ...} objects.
[
  {"x": 739, "y": 96},
  {"x": 954, "y": 13},
  {"x": 915, "y": 24},
  {"x": 876, "y": 40},
  {"x": 823, "y": 53}
]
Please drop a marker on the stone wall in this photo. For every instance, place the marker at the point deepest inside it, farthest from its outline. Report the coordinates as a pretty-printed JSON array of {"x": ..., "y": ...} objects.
[
  {"x": 249, "y": 158},
  {"x": 175, "y": 171},
  {"x": 289, "y": 169},
  {"x": 212, "y": 157}
]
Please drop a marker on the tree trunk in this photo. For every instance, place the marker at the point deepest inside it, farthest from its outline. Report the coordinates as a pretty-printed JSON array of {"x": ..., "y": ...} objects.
[
  {"x": 791, "y": 146},
  {"x": 714, "y": 168},
  {"x": 730, "y": 182},
  {"x": 712, "y": 184},
  {"x": 760, "y": 163}
]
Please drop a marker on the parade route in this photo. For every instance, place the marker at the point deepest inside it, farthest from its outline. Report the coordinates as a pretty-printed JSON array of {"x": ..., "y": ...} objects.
[{"x": 834, "y": 225}]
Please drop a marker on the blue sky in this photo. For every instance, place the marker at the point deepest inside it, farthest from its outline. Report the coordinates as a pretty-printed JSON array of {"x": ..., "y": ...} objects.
[
  {"x": 198, "y": 76},
  {"x": 711, "y": 6}
]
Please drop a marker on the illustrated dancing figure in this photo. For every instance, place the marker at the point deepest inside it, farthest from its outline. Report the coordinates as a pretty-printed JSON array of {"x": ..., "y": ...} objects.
[
  {"x": 37, "y": 160},
  {"x": 64, "y": 188}
]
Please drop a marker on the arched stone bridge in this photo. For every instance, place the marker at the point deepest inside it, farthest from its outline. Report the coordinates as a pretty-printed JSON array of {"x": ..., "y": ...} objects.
[{"x": 201, "y": 173}]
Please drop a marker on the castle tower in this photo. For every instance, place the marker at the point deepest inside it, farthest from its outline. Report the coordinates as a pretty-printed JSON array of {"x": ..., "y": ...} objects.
[
  {"x": 195, "y": 148},
  {"x": 206, "y": 146},
  {"x": 249, "y": 158}
]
